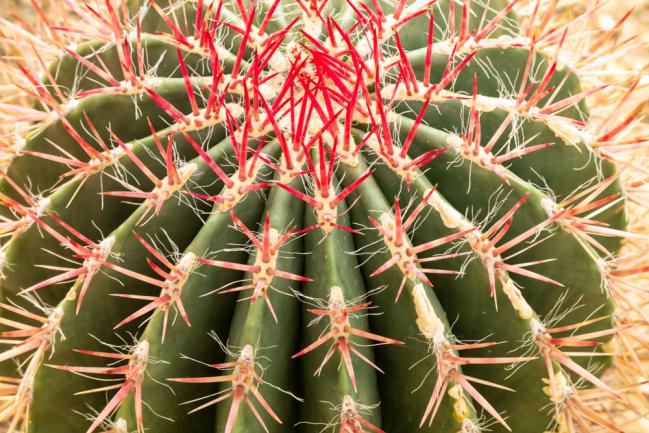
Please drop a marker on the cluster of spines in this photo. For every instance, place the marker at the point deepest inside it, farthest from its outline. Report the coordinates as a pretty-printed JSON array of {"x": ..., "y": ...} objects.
[{"x": 317, "y": 150}]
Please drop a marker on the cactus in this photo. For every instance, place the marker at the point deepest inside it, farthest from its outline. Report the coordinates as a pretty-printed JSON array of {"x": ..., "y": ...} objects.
[{"x": 353, "y": 216}]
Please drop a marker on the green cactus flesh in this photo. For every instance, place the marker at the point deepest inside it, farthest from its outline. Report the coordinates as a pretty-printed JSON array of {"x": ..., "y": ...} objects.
[{"x": 298, "y": 216}]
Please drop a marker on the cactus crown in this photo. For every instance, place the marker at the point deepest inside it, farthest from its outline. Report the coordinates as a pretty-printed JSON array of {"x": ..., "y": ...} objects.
[{"x": 362, "y": 216}]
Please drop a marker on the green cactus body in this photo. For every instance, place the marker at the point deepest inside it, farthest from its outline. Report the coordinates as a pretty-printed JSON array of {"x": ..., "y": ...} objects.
[{"x": 349, "y": 216}]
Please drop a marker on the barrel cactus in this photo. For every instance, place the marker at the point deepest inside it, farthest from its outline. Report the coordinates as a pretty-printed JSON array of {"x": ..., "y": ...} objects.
[{"x": 320, "y": 215}]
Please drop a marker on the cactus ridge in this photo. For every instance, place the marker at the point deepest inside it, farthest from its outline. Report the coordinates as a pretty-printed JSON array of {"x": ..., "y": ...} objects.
[{"x": 355, "y": 216}]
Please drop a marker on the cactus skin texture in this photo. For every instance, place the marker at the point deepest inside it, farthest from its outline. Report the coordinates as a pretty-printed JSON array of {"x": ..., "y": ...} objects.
[{"x": 348, "y": 216}]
